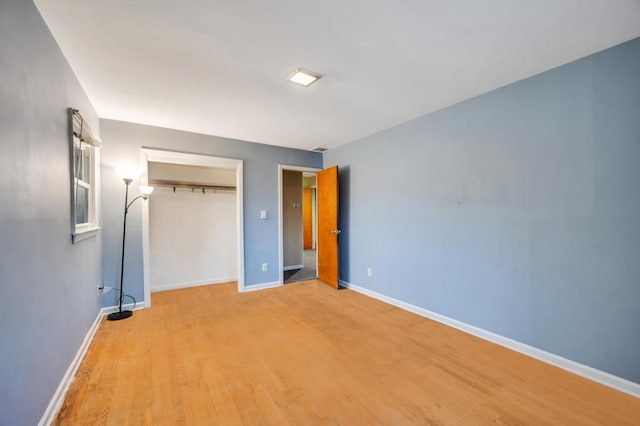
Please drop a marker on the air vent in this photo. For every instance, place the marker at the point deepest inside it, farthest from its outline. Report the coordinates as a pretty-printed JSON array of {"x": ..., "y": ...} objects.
[{"x": 319, "y": 149}]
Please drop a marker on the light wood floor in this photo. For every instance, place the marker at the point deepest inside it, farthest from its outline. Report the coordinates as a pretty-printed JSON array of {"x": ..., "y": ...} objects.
[{"x": 307, "y": 354}]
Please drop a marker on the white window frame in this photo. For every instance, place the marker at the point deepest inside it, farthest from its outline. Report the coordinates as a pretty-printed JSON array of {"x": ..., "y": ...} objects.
[{"x": 82, "y": 231}]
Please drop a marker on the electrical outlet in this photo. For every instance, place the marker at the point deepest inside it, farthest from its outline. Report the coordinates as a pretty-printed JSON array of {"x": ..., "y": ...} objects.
[
  {"x": 369, "y": 272},
  {"x": 265, "y": 267},
  {"x": 102, "y": 289}
]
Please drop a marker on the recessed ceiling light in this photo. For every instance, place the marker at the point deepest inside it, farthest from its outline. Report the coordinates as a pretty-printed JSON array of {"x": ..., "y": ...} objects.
[{"x": 303, "y": 77}]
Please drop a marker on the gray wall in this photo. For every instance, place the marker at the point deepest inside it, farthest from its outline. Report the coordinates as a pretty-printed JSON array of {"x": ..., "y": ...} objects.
[
  {"x": 292, "y": 218},
  {"x": 48, "y": 287},
  {"x": 122, "y": 144},
  {"x": 517, "y": 211}
]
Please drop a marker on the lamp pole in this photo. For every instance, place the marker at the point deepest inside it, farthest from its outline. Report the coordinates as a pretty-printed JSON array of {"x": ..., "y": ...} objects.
[
  {"x": 127, "y": 177},
  {"x": 115, "y": 316}
]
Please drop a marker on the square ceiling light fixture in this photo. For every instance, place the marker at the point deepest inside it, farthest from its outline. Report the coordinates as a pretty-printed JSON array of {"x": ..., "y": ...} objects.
[{"x": 303, "y": 77}]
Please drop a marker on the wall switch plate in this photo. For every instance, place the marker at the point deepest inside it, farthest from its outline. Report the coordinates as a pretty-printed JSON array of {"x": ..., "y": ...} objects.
[
  {"x": 369, "y": 272},
  {"x": 263, "y": 214},
  {"x": 265, "y": 267}
]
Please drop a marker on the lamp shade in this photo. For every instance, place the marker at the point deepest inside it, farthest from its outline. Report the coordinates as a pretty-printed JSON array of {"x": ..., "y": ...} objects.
[{"x": 146, "y": 190}]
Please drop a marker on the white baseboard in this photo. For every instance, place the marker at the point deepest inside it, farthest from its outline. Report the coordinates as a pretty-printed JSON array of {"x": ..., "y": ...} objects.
[
  {"x": 58, "y": 397},
  {"x": 292, "y": 267},
  {"x": 566, "y": 364},
  {"x": 192, "y": 284},
  {"x": 128, "y": 306},
  {"x": 262, "y": 286}
]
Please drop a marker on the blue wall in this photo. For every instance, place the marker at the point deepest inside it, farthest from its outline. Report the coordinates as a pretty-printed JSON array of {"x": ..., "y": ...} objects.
[
  {"x": 517, "y": 211},
  {"x": 122, "y": 144},
  {"x": 48, "y": 287}
]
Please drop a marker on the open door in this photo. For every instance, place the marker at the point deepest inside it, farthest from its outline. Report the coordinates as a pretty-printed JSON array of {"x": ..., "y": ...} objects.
[{"x": 327, "y": 199}]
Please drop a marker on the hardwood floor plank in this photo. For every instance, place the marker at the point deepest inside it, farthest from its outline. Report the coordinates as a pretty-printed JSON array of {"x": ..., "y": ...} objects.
[{"x": 308, "y": 354}]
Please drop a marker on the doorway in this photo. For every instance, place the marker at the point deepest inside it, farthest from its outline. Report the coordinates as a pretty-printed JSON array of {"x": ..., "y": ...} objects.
[
  {"x": 299, "y": 226},
  {"x": 182, "y": 161},
  {"x": 298, "y": 223}
]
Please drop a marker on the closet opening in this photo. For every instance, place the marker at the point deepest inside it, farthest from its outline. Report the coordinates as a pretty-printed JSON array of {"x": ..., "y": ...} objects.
[{"x": 192, "y": 227}]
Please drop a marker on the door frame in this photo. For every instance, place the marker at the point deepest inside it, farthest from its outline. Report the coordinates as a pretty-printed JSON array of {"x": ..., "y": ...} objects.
[
  {"x": 281, "y": 168},
  {"x": 174, "y": 157}
]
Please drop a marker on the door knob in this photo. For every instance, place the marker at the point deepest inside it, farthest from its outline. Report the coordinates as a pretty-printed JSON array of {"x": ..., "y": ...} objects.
[{"x": 336, "y": 231}]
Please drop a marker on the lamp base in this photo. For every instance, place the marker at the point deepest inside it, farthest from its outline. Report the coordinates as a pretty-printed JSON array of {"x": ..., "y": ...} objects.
[{"x": 116, "y": 316}]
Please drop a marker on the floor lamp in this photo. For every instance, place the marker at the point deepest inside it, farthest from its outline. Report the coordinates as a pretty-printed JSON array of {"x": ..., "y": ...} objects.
[{"x": 127, "y": 177}]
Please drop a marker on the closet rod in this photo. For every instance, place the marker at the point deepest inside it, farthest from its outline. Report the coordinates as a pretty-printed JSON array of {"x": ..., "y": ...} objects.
[{"x": 191, "y": 186}]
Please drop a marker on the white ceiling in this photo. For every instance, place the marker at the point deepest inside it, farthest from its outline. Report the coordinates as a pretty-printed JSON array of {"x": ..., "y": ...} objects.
[{"x": 219, "y": 67}]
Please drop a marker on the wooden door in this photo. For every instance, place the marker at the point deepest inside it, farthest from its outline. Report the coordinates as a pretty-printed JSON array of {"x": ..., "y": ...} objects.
[
  {"x": 327, "y": 207},
  {"x": 307, "y": 218}
]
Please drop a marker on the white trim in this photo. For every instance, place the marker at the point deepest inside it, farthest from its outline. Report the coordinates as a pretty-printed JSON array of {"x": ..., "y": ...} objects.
[
  {"x": 292, "y": 267},
  {"x": 173, "y": 157},
  {"x": 262, "y": 286},
  {"x": 83, "y": 231},
  {"x": 84, "y": 234},
  {"x": 128, "y": 306},
  {"x": 282, "y": 167},
  {"x": 240, "y": 223},
  {"x": 566, "y": 364},
  {"x": 177, "y": 286},
  {"x": 146, "y": 257},
  {"x": 58, "y": 397}
]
